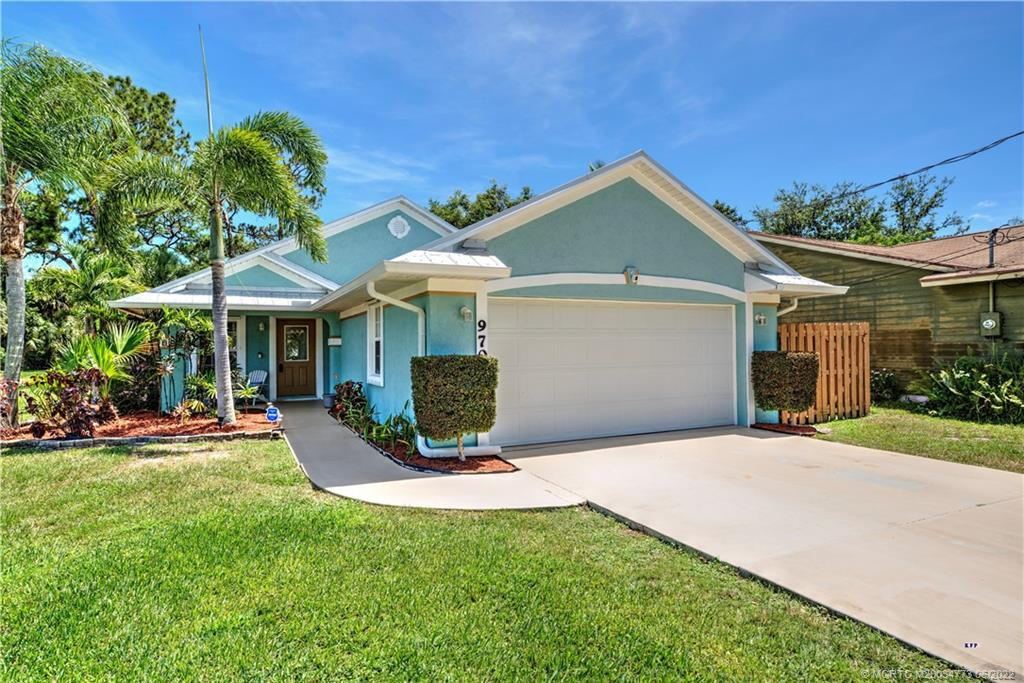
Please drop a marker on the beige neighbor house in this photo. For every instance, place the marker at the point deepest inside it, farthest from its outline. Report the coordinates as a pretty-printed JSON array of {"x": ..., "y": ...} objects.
[{"x": 925, "y": 301}]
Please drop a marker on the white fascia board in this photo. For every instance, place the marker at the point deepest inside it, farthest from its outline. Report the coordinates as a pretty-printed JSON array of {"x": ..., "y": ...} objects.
[
  {"x": 303, "y": 278},
  {"x": 425, "y": 270},
  {"x": 893, "y": 260},
  {"x": 716, "y": 226},
  {"x": 357, "y": 282},
  {"x": 205, "y": 302},
  {"x": 755, "y": 283},
  {"x": 447, "y": 270},
  {"x": 981, "y": 277},
  {"x": 289, "y": 244}
]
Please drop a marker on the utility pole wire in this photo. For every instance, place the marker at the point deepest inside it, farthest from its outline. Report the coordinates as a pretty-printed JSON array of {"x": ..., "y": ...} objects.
[{"x": 923, "y": 169}]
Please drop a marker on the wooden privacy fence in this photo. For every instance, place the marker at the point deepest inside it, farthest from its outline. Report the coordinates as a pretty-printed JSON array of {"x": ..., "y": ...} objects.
[{"x": 844, "y": 370}]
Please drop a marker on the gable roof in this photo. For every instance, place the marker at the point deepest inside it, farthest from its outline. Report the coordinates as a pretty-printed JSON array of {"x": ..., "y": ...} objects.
[
  {"x": 652, "y": 176},
  {"x": 290, "y": 244},
  {"x": 953, "y": 259}
]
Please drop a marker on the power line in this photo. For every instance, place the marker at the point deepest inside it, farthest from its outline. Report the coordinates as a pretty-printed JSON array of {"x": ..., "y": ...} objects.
[
  {"x": 923, "y": 169},
  {"x": 1005, "y": 238}
]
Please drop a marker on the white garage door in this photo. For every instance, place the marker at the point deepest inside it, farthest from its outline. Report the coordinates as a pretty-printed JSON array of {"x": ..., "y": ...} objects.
[{"x": 571, "y": 370}]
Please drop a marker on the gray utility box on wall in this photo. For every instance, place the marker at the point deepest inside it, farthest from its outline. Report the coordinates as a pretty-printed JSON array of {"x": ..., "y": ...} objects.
[{"x": 991, "y": 324}]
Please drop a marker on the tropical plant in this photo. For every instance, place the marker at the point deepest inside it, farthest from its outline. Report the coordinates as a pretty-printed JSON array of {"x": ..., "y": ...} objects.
[
  {"x": 247, "y": 394},
  {"x": 108, "y": 353},
  {"x": 983, "y": 388},
  {"x": 52, "y": 114},
  {"x": 202, "y": 387},
  {"x": 64, "y": 402},
  {"x": 347, "y": 395},
  {"x": 189, "y": 408},
  {"x": 93, "y": 279}
]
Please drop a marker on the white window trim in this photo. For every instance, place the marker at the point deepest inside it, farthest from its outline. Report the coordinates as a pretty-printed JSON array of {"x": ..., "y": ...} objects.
[
  {"x": 239, "y": 347},
  {"x": 373, "y": 314}
]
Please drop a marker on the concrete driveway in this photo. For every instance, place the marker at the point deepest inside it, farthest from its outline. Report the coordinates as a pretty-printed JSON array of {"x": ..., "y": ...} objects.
[{"x": 926, "y": 550}]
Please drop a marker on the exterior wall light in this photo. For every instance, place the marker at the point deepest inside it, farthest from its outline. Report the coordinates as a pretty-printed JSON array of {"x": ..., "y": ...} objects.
[
  {"x": 466, "y": 313},
  {"x": 761, "y": 319},
  {"x": 632, "y": 275}
]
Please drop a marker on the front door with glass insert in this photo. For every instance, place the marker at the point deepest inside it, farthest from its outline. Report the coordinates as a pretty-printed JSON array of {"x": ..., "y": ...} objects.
[{"x": 296, "y": 357}]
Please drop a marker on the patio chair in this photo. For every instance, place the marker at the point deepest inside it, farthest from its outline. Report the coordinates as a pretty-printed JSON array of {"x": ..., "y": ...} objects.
[{"x": 256, "y": 379}]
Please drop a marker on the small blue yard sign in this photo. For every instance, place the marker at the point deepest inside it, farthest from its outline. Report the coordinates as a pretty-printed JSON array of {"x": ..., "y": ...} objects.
[{"x": 272, "y": 414}]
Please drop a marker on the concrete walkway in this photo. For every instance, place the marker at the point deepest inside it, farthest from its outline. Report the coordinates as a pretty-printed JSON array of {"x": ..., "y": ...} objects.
[
  {"x": 339, "y": 462},
  {"x": 926, "y": 550}
]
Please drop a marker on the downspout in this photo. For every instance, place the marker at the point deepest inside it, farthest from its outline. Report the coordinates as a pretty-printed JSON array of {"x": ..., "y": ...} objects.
[
  {"x": 788, "y": 309},
  {"x": 421, "y": 348}
]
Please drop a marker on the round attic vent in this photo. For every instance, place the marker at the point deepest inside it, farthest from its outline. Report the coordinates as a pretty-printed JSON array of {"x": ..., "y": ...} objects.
[{"x": 398, "y": 226}]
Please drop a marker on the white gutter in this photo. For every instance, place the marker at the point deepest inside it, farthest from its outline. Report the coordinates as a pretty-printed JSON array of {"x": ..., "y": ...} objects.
[
  {"x": 788, "y": 309},
  {"x": 421, "y": 347}
]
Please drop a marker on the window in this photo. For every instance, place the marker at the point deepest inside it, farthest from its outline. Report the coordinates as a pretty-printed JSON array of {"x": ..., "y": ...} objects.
[
  {"x": 296, "y": 343},
  {"x": 236, "y": 344},
  {"x": 375, "y": 345}
]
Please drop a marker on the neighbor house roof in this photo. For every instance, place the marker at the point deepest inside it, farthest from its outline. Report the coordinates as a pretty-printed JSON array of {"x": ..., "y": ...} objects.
[{"x": 956, "y": 259}]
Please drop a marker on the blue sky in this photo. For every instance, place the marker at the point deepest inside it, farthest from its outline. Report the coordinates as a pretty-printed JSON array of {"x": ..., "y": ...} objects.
[{"x": 736, "y": 99}]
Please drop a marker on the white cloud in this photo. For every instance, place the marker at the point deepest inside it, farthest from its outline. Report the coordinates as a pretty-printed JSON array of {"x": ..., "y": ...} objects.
[
  {"x": 986, "y": 204},
  {"x": 981, "y": 217},
  {"x": 373, "y": 166}
]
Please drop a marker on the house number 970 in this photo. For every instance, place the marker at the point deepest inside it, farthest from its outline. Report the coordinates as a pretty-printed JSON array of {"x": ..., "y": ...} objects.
[{"x": 481, "y": 337}]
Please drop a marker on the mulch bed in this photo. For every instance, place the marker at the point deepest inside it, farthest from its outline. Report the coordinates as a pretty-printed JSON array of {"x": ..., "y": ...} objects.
[
  {"x": 481, "y": 464},
  {"x": 796, "y": 430},
  {"x": 153, "y": 424}
]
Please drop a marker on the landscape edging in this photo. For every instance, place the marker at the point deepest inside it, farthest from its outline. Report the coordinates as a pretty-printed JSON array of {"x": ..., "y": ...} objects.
[{"x": 55, "y": 444}]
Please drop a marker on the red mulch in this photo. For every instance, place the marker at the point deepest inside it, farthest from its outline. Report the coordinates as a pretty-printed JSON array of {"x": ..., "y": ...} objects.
[
  {"x": 152, "y": 424},
  {"x": 478, "y": 465},
  {"x": 797, "y": 430}
]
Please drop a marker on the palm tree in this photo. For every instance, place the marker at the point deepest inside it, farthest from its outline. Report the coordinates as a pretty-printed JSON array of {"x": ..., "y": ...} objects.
[
  {"x": 255, "y": 166},
  {"x": 52, "y": 112},
  {"x": 93, "y": 279}
]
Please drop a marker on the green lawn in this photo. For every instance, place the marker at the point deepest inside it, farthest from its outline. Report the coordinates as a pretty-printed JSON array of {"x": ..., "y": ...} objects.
[
  {"x": 218, "y": 561},
  {"x": 895, "y": 429}
]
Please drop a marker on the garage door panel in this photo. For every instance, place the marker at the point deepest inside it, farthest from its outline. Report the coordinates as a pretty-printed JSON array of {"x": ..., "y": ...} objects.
[
  {"x": 505, "y": 348},
  {"x": 537, "y": 316},
  {"x": 502, "y": 315},
  {"x": 537, "y": 352},
  {"x": 572, "y": 369}
]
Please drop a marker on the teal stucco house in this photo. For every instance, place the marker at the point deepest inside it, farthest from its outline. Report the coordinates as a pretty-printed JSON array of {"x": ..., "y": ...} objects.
[{"x": 618, "y": 303}]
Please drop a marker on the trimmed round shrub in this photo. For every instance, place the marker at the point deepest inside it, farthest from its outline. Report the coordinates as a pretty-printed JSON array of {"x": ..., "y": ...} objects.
[
  {"x": 784, "y": 380},
  {"x": 454, "y": 395}
]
